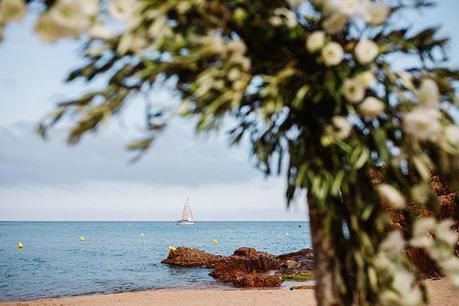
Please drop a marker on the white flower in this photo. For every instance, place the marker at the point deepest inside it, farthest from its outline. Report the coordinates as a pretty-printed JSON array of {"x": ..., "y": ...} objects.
[
  {"x": 69, "y": 16},
  {"x": 234, "y": 74},
  {"x": 315, "y": 41},
  {"x": 428, "y": 93},
  {"x": 375, "y": 13},
  {"x": 89, "y": 7},
  {"x": 424, "y": 226},
  {"x": 334, "y": 23},
  {"x": 391, "y": 195},
  {"x": 212, "y": 43},
  {"x": 444, "y": 232},
  {"x": 275, "y": 21},
  {"x": 382, "y": 262},
  {"x": 411, "y": 297},
  {"x": 332, "y": 54},
  {"x": 287, "y": 14},
  {"x": 422, "y": 123},
  {"x": 342, "y": 127},
  {"x": 450, "y": 265},
  {"x": 366, "y": 51},
  {"x": 100, "y": 31},
  {"x": 406, "y": 294},
  {"x": 422, "y": 242},
  {"x": 371, "y": 107},
  {"x": 393, "y": 244},
  {"x": 241, "y": 60},
  {"x": 452, "y": 134},
  {"x": 421, "y": 193},
  {"x": 121, "y": 9},
  {"x": 236, "y": 46},
  {"x": 47, "y": 29},
  {"x": 439, "y": 253},
  {"x": 354, "y": 92},
  {"x": 366, "y": 78},
  {"x": 12, "y": 10},
  {"x": 403, "y": 281},
  {"x": 422, "y": 237}
]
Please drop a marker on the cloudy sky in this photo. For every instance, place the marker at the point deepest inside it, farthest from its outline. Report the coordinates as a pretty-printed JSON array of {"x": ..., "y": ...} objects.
[{"x": 94, "y": 181}]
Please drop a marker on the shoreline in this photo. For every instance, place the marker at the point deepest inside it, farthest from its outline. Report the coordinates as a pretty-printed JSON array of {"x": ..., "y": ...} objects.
[
  {"x": 176, "y": 297},
  {"x": 440, "y": 293}
]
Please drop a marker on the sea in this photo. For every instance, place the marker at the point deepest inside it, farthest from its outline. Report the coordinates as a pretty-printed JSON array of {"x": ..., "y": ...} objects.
[{"x": 124, "y": 256}]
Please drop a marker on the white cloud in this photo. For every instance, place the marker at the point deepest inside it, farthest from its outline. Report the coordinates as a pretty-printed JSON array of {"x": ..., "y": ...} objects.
[
  {"x": 178, "y": 157},
  {"x": 93, "y": 181}
]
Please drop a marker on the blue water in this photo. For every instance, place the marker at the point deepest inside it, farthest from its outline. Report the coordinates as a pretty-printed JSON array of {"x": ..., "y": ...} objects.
[{"x": 116, "y": 258}]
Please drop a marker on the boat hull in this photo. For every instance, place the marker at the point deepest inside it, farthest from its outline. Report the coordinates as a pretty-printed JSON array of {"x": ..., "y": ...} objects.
[{"x": 184, "y": 222}]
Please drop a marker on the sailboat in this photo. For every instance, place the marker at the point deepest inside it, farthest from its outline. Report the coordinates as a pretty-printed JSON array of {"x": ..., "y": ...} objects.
[{"x": 187, "y": 215}]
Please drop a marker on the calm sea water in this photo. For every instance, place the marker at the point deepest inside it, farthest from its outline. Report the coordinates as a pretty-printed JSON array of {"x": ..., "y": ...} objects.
[{"x": 116, "y": 258}]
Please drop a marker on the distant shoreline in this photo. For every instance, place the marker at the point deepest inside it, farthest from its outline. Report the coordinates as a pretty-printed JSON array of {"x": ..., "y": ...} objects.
[{"x": 439, "y": 291}]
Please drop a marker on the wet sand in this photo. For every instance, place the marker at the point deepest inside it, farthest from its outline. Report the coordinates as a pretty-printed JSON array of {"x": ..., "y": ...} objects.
[{"x": 439, "y": 290}]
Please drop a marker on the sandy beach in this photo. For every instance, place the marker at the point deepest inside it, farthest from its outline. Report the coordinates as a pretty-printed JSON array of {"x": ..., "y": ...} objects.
[{"x": 439, "y": 290}]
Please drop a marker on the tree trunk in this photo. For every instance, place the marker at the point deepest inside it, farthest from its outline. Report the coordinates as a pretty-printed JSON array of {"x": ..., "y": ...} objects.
[{"x": 326, "y": 291}]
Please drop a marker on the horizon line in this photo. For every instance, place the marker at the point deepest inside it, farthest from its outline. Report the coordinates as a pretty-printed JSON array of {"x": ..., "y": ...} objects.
[{"x": 153, "y": 221}]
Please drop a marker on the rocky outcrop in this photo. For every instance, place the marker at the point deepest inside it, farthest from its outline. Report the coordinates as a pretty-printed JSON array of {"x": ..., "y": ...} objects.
[
  {"x": 247, "y": 267},
  {"x": 188, "y": 257}
]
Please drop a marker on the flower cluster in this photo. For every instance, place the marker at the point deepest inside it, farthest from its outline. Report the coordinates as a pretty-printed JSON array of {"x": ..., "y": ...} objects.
[
  {"x": 365, "y": 51},
  {"x": 340, "y": 12},
  {"x": 69, "y": 18},
  {"x": 423, "y": 122},
  {"x": 402, "y": 289},
  {"x": 438, "y": 239}
]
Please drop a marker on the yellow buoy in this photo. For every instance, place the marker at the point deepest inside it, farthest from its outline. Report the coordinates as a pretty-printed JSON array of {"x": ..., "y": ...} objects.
[
  {"x": 141, "y": 234},
  {"x": 286, "y": 234},
  {"x": 20, "y": 245},
  {"x": 171, "y": 248},
  {"x": 215, "y": 242},
  {"x": 82, "y": 238}
]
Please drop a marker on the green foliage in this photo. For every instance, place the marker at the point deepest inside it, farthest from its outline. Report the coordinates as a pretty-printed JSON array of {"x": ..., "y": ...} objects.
[{"x": 299, "y": 277}]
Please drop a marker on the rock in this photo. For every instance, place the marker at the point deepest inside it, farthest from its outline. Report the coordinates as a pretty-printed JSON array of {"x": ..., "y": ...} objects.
[
  {"x": 187, "y": 257},
  {"x": 244, "y": 251},
  {"x": 296, "y": 263},
  {"x": 247, "y": 267},
  {"x": 291, "y": 264}
]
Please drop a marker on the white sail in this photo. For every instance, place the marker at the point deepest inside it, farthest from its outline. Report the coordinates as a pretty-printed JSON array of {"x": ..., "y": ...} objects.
[{"x": 187, "y": 215}]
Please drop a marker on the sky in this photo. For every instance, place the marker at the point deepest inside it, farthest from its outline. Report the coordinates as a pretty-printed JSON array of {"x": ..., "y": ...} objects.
[{"x": 48, "y": 180}]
